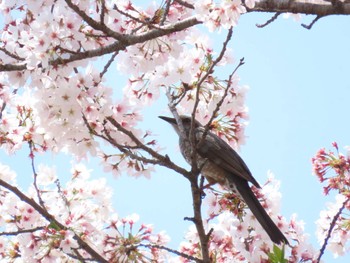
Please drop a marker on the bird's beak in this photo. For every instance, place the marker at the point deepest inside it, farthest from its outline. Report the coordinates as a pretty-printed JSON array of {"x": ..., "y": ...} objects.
[{"x": 168, "y": 119}]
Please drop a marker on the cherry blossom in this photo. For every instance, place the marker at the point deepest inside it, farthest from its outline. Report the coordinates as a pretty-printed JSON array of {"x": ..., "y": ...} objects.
[
  {"x": 56, "y": 98},
  {"x": 84, "y": 207},
  {"x": 233, "y": 237}
]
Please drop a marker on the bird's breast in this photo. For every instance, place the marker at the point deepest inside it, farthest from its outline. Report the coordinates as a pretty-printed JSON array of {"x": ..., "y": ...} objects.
[{"x": 214, "y": 173}]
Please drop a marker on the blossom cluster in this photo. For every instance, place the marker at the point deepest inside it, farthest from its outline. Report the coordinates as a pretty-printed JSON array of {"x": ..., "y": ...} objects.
[
  {"x": 59, "y": 99},
  {"x": 83, "y": 207},
  {"x": 325, "y": 162},
  {"x": 237, "y": 236},
  {"x": 224, "y": 14},
  {"x": 54, "y": 96},
  {"x": 333, "y": 169},
  {"x": 335, "y": 218}
]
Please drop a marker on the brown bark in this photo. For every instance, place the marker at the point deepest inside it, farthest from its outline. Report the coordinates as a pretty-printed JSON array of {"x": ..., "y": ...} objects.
[{"x": 317, "y": 7}]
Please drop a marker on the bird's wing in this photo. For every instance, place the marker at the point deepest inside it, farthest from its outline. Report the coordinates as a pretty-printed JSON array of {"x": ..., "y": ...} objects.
[{"x": 218, "y": 151}]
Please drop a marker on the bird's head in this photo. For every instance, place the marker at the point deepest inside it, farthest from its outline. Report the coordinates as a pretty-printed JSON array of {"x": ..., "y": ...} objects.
[{"x": 186, "y": 122}]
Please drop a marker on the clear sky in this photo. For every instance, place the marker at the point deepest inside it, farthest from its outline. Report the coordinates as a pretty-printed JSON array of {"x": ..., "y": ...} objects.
[{"x": 298, "y": 102}]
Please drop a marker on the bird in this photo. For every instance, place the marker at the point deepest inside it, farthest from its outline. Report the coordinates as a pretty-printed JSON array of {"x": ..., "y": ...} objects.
[{"x": 221, "y": 164}]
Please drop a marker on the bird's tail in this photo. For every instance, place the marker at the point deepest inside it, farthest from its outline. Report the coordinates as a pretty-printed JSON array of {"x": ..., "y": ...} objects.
[{"x": 259, "y": 212}]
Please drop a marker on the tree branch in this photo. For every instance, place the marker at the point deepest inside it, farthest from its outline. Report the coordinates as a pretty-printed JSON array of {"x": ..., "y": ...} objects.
[
  {"x": 319, "y": 8},
  {"x": 218, "y": 105},
  {"x": 99, "y": 26},
  {"x": 110, "y": 61},
  {"x": 12, "y": 55},
  {"x": 162, "y": 160},
  {"x": 198, "y": 221},
  {"x": 184, "y": 3},
  {"x": 166, "y": 12},
  {"x": 331, "y": 227},
  {"x": 12, "y": 67},
  {"x": 35, "y": 175},
  {"x": 175, "y": 252},
  {"x": 195, "y": 171},
  {"x": 273, "y": 18},
  {"x": 50, "y": 218},
  {"x": 127, "y": 40},
  {"x": 312, "y": 23},
  {"x": 22, "y": 231},
  {"x": 209, "y": 71}
]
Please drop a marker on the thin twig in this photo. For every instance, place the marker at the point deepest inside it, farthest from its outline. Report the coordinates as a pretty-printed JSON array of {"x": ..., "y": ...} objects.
[
  {"x": 3, "y": 106},
  {"x": 219, "y": 104},
  {"x": 142, "y": 22},
  {"x": 142, "y": 146},
  {"x": 180, "y": 97},
  {"x": 79, "y": 256},
  {"x": 166, "y": 12},
  {"x": 309, "y": 26},
  {"x": 273, "y": 18},
  {"x": 22, "y": 231},
  {"x": 210, "y": 69},
  {"x": 50, "y": 218},
  {"x": 184, "y": 3},
  {"x": 176, "y": 252},
  {"x": 63, "y": 196},
  {"x": 110, "y": 61},
  {"x": 159, "y": 159},
  {"x": 134, "y": 18},
  {"x": 94, "y": 24},
  {"x": 331, "y": 227},
  {"x": 68, "y": 51},
  {"x": 198, "y": 86},
  {"x": 35, "y": 176},
  {"x": 126, "y": 150},
  {"x": 11, "y": 54},
  {"x": 123, "y": 148},
  {"x": 103, "y": 11}
]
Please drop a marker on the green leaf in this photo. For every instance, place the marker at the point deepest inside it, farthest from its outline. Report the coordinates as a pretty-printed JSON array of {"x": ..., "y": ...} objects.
[
  {"x": 277, "y": 256},
  {"x": 53, "y": 225}
]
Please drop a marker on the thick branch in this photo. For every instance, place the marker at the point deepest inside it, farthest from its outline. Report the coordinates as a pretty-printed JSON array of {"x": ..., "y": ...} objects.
[
  {"x": 198, "y": 221},
  {"x": 195, "y": 189},
  {"x": 12, "y": 67},
  {"x": 319, "y": 8},
  {"x": 127, "y": 40},
  {"x": 168, "y": 29}
]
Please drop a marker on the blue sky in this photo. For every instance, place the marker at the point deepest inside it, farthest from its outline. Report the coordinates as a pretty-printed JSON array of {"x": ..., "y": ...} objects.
[{"x": 298, "y": 103}]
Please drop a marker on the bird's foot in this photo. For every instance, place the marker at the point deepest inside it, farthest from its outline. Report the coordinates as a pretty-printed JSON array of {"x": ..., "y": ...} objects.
[{"x": 207, "y": 186}]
